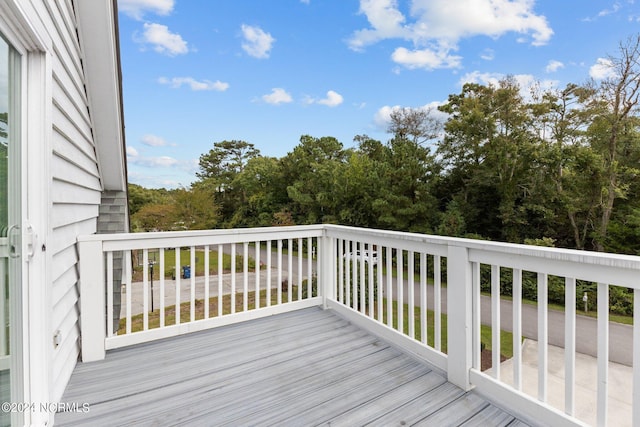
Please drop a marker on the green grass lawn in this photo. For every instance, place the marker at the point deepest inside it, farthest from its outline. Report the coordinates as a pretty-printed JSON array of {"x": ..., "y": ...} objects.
[
  {"x": 506, "y": 338},
  {"x": 185, "y": 259}
]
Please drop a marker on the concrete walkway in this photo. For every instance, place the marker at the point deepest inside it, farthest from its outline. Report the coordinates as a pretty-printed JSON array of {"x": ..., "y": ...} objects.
[{"x": 620, "y": 383}]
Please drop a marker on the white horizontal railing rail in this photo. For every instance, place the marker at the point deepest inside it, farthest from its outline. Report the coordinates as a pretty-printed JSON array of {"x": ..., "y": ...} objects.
[
  {"x": 179, "y": 282},
  {"x": 425, "y": 293}
]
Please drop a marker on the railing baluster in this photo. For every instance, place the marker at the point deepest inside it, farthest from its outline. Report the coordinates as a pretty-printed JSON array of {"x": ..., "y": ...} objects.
[
  {"x": 370, "y": 278},
  {"x": 517, "y": 329},
  {"x": 220, "y": 279},
  {"x": 379, "y": 285},
  {"x": 279, "y": 271},
  {"x": 177, "y": 252},
  {"x": 245, "y": 271},
  {"x": 411, "y": 284},
  {"x": 347, "y": 274},
  {"x": 290, "y": 270},
  {"x": 192, "y": 283},
  {"x": 258, "y": 271},
  {"x": 362, "y": 287},
  {"x": 495, "y": 320},
  {"x": 161, "y": 275},
  {"x": 233, "y": 278},
  {"x": 543, "y": 336},
  {"x": 309, "y": 267},
  {"x": 635, "y": 418},
  {"x": 127, "y": 268},
  {"x": 354, "y": 275},
  {"x": 109, "y": 294},
  {"x": 300, "y": 253},
  {"x": 145, "y": 289},
  {"x": 400, "y": 283},
  {"x": 340, "y": 271},
  {"x": 388, "y": 260},
  {"x": 569, "y": 345},
  {"x": 206, "y": 281},
  {"x": 603, "y": 352},
  {"x": 268, "y": 302},
  {"x": 423, "y": 297},
  {"x": 437, "y": 302},
  {"x": 476, "y": 301}
]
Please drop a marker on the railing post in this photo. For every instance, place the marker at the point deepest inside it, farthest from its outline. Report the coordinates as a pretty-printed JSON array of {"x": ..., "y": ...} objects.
[
  {"x": 459, "y": 317},
  {"x": 326, "y": 268},
  {"x": 92, "y": 300}
]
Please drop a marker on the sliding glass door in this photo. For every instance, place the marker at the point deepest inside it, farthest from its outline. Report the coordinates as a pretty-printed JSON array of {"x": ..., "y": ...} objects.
[{"x": 10, "y": 230}]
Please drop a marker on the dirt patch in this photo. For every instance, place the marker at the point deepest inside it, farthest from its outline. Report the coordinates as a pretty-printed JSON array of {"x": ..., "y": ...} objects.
[{"x": 485, "y": 359}]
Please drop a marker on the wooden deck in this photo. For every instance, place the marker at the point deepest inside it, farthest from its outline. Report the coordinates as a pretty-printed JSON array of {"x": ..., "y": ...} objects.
[{"x": 307, "y": 367}]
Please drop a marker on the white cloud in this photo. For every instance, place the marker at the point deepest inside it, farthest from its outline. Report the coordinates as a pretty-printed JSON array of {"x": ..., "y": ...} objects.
[
  {"x": 488, "y": 54},
  {"x": 153, "y": 141},
  {"x": 425, "y": 58},
  {"x": 137, "y": 8},
  {"x": 256, "y": 43},
  {"x": 277, "y": 96},
  {"x": 602, "y": 69},
  {"x": 386, "y": 20},
  {"x": 163, "y": 40},
  {"x": 132, "y": 152},
  {"x": 437, "y": 26},
  {"x": 333, "y": 99},
  {"x": 614, "y": 9},
  {"x": 161, "y": 161},
  {"x": 553, "y": 66},
  {"x": 382, "y": 118},
  {"x": 177, "y": 82},
  {"x": 486, "y": 79},
  {"x": 162, "y": 181}
]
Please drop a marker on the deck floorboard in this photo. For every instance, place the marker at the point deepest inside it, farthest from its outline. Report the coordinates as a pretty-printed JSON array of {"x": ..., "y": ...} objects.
[{"x": 308, "y": 367}]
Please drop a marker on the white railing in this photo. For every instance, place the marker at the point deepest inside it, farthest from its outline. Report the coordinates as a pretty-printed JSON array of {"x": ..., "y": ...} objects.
[
  {"x": 401, "y": 286},
  {"x": 200, "y": 280}
]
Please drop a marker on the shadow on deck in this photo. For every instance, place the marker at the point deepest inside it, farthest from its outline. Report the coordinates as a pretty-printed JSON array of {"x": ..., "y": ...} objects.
[{"x": 306, "y": 367}]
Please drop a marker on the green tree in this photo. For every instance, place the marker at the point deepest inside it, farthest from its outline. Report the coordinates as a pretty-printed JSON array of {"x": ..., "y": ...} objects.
[
  {"x": 613, "y": 133},
  {"x": 309, "y": 171},
  {"x": 264, "y": 190},
  {"x": 218, "y": 170},
  {"x": 140, "y": 196},
  {"x": 154, "y": 217},
  {"x": 489, "y": 149},
  {"x": 194, "y": 209}
]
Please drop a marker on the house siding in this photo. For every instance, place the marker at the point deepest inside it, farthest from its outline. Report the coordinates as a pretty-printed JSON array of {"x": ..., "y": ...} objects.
[{"x": 74, "y": 182}]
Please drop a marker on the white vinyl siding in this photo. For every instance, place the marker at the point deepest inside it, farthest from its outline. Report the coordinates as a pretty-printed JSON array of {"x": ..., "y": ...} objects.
[{"x": 75, "y": 185}]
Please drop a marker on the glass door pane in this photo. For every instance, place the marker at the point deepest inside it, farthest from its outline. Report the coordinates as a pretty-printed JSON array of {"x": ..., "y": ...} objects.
[{"x": 9, "y": 228}]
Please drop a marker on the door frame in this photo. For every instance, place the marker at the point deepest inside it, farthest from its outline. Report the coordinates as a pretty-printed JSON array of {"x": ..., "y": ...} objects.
[{"x": 21, "y": 26}]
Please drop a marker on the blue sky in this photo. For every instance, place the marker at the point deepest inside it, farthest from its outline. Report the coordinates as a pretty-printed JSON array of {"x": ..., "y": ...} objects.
[{"x": 196, "y": 72}]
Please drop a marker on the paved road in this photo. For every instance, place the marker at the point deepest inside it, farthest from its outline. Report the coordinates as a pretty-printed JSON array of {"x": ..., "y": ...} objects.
[{"x": 620, "y": 336}]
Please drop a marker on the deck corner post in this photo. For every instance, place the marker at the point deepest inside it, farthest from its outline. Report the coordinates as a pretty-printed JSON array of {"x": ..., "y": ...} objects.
[
  {"x": 92, "y": 300},
  {"x": 459, "y": 316},
  {"x": 326, "y": 269}
]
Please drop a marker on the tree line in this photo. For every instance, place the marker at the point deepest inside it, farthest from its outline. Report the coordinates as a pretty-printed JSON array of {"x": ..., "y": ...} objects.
[{"x": 553, "y": 167}]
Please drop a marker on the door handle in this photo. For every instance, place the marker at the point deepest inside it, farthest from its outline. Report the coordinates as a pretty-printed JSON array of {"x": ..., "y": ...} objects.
[{"x": 13, "y": 234}]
